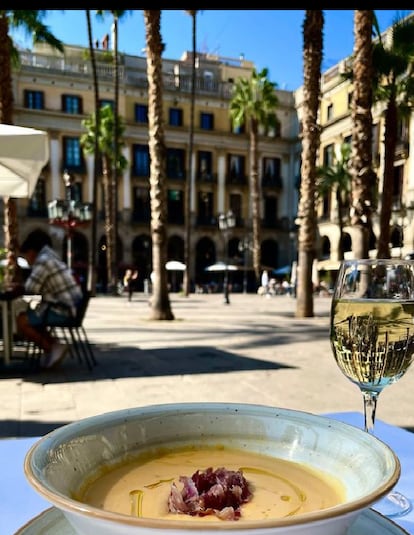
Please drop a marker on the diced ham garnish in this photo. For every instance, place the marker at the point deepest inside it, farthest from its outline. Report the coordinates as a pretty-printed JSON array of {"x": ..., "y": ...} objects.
[{"x": 220, "y": 492}]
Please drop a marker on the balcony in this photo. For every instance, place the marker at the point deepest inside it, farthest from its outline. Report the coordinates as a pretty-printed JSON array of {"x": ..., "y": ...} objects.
[
  {"x": 207, "y": 177},
  {"x": 272, "y": 181},
  {"x": 236, "y": 179}
]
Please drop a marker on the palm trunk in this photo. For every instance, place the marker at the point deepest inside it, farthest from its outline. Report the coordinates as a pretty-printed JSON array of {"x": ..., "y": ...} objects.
[
  {"x": 313, "y": 47},
  {"x": 97, "y": 160},
  {"x": 255, "y": 195},
  {"x": 383, "y": 250},
  {"x": 160, "y": 302},
  {"x": 11, "y": 228},
  {"x": 363, "y": 177},
  {"x": 108, "y": 219},
  {"x": 188, "y": 183},
  {"x": 114, "y": 183}
]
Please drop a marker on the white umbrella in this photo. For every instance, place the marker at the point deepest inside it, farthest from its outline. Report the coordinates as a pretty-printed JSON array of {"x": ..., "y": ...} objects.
[
  {"x": 175, "y": 265},
  {"x": 222, "y": 266},
  {"x": 23, "y": 154}
]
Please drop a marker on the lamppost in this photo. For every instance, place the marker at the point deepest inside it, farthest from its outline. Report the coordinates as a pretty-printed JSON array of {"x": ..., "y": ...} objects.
[
  {"x": 226, "y": 222},
  {"x": 69, "y": 214},
  {"x": 245, "y": 245}
]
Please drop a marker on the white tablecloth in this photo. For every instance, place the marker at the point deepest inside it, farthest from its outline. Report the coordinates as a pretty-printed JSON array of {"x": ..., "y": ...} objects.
[{"x": 19, "y": 502}]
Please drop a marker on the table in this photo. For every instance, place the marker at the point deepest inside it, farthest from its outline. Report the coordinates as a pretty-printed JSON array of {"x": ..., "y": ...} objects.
[
  {"x": 19, "y": 503},
  {"x": 7, "y": 296}
]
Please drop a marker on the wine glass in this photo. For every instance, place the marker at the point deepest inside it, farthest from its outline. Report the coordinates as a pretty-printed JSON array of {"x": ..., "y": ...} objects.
[{"x": 372, "y": 336}]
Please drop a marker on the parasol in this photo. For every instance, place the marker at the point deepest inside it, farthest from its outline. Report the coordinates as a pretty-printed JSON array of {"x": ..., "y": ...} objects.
[
  {"x": 174, "y": 265},
  {"x": 221, "y": 266},
  {"x": 23, "y": 154}
]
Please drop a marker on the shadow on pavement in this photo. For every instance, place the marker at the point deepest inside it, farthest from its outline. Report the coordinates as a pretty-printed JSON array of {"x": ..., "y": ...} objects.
[{"x": 116, "y": 362}]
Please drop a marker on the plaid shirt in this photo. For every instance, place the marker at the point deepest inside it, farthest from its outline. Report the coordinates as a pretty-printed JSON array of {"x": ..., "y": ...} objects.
[{"x": 52, "y": 279}]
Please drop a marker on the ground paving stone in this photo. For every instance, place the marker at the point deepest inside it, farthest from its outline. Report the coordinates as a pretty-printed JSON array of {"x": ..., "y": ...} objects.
[{"x": 253, "y": 350}]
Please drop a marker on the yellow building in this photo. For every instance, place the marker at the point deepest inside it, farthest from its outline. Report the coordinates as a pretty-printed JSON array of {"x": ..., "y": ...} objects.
[
  {"x": 336, "y": 128},
  {"x": 54, "y": 92}
]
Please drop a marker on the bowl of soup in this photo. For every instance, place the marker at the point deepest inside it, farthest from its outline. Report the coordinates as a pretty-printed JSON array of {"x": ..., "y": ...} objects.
[{"x": 225, "y": 468}]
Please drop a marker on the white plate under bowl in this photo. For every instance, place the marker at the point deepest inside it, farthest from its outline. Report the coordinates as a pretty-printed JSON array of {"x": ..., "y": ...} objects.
[{"x": 52, "y": 522}]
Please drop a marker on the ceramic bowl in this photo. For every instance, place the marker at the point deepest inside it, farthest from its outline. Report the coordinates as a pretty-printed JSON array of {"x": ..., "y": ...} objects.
[{"x": 58, "y": 464}]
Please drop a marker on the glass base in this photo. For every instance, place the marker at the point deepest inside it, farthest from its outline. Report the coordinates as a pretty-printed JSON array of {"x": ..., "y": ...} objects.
[{"x": 393, "y": 505}]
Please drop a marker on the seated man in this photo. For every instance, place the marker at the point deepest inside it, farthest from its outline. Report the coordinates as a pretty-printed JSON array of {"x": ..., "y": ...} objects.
[{"x": 60, "y": 294}]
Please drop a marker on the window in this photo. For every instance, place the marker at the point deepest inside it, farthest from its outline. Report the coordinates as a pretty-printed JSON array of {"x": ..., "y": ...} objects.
[
  {"x": 235, "y": 203},
  {"x": 141, "y": 160},
  {"x": 402, "y": 129},
  {"x": 106, "y": 102},
  {"x": 206, "y": 121},
  {"x": 397, "y": 187},
  {"x": 175, "y": 163},
  {"x": 238, "y": 129},
  {"x": 176, "y": 117},
  {"x": 34, "y": 100},
  {"x": 271, "y": 167},
  {"x": 235, "y": 168},
  {"x": 71, "y": 104},
  {"x": 37, "y": 203},
  {"x": 270, "y": 211},
  {"x": 205, "y": 211},
  {"x": 271, "y": 172},
  {"x": 204, "y": 165},
  {"x": 72, "y": 153},
  {"x": 328, "y": 155},
  {"x": 141, "y": 113},
  {"x": 329, "y": 112},
  {"x": 142, "y": 207},
  {"x": 175, "y": 203}
]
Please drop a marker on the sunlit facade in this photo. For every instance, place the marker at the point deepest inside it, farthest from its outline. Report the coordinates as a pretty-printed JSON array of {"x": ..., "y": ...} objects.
[{"x": 54, "y": 92}]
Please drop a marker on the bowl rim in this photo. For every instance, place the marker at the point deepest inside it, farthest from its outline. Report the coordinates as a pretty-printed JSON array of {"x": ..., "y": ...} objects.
[{"x": 75, "y": 507}]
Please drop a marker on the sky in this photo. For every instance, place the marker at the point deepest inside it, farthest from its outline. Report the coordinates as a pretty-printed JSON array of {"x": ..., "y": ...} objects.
[{"x": 271, "y": 39}]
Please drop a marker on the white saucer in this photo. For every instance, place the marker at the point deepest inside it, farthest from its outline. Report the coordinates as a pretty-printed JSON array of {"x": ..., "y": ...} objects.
[{"x": 52, "y": 522}]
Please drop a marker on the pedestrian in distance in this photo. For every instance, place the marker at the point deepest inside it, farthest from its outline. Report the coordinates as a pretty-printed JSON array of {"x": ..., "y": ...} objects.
[{"x": 130, "y": 279}]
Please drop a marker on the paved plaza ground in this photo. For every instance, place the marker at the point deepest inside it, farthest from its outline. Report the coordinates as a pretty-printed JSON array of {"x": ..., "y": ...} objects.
[{"x": 253, "y": 350}]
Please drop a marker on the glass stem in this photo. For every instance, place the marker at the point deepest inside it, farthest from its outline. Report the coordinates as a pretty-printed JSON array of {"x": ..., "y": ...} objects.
[{"x": 370, "y": 407}]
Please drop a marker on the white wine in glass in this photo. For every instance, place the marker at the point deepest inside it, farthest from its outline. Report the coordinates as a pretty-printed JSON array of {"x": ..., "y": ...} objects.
[{"x": 372, "y": 336}]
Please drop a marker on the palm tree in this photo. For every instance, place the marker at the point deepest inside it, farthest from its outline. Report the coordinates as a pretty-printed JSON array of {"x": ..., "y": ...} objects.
[
  {"x": 188, "y": 183},
  {"x": 106, "y": 149},
  {"x": 31, "y": 22},
  {"x": 97, "y": 156},
  {"x": 393, "y": 65},
  {"x": 337, "y": 178},
  {"x": 254, "y": 103},
  {"x": 312, "y": 57},
  {"x": 160, "y": 302},
  {"x": 363, "y": 177},
  {"x": 113, "y": 190}
]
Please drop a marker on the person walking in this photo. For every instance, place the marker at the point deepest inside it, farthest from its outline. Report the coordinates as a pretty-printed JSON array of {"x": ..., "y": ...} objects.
[
  {"x": 130, "y": 279},
  {"x": 60, "y": 295}
]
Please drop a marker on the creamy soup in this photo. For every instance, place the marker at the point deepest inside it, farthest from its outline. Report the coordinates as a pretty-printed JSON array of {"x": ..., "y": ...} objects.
[{"x": 280, "y": 488}]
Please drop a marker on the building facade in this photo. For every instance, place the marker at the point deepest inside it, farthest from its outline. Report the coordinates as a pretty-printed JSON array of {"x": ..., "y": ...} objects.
[
  {"x": 54, "y": 92},
  {"x": 336, "y": 128}
]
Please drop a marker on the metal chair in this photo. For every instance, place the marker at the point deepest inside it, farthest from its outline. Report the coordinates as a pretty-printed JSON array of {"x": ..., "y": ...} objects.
[{"x": 74, "y": 334}]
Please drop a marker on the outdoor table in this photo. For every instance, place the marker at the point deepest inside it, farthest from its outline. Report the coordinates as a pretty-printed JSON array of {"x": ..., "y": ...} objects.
[
  {"x": 7, "y": 296},
  {"x": 19, "y": 502}
]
